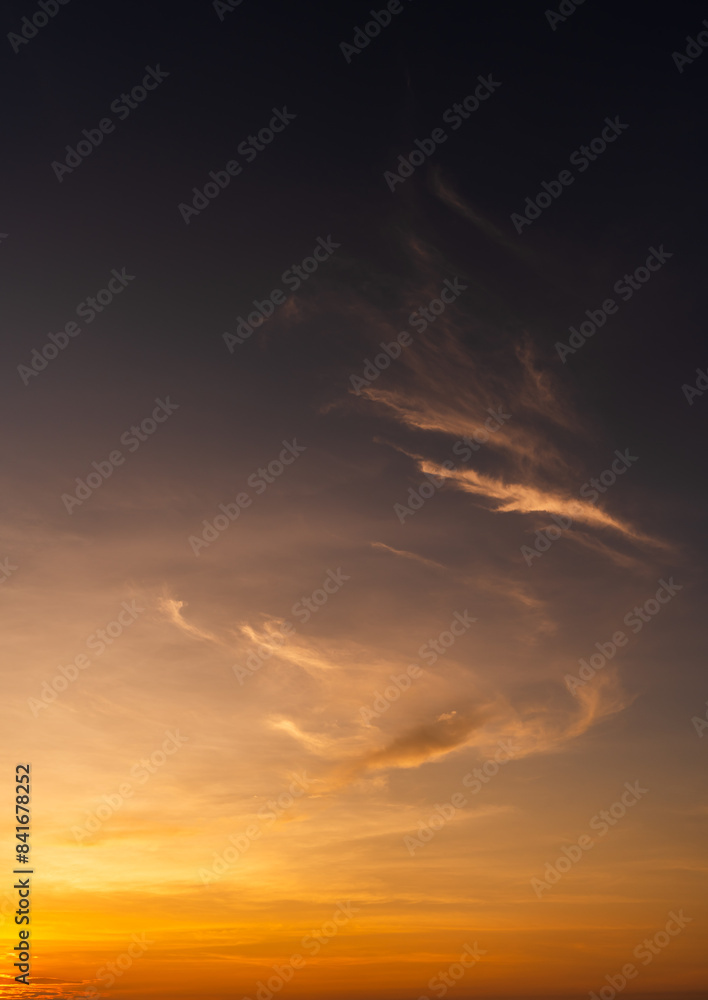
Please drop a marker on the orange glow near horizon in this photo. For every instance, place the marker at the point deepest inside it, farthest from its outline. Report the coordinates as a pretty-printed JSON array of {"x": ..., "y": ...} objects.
[{"x": 254, "y": 750}]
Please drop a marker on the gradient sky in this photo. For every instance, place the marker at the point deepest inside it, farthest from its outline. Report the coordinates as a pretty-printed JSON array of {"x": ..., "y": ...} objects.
[{"x": 261, "y": 696}]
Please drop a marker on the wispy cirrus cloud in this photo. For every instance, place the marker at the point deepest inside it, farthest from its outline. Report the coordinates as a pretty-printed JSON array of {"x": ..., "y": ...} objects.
[{"x": 526, "y": 498}]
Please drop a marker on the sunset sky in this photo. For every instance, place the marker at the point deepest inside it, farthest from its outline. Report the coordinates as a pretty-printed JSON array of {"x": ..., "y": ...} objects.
[{"x": 349, "y": 722}]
